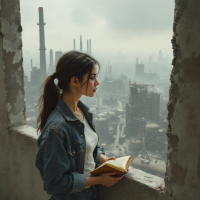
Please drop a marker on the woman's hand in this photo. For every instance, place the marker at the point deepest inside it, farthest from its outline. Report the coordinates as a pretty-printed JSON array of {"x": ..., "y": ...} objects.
[
  {"x": 103, "y": 158},
  {"x": 107, "y": 180}
]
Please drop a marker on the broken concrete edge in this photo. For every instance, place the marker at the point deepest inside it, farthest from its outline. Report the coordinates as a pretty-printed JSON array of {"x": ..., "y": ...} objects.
[
  {"x": 26, "y": 130},
  {"x": 146, "y": 179}
]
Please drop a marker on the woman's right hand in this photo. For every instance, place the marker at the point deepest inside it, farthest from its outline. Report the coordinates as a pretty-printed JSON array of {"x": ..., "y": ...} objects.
[{"x": 107, "y": 180}]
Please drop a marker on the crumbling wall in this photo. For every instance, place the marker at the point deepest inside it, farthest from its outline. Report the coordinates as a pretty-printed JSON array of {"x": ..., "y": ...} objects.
[
  {"x": 11, "y": 61},
  {"x": 20, "y": 180},
  {"x": 183, "y": 165}
]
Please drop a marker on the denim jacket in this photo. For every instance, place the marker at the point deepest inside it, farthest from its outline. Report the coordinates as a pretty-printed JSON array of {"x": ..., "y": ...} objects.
[{"x": 61, "y": 154}]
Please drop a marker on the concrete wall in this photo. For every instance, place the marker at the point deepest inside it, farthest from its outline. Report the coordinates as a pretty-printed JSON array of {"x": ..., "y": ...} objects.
[{"x": 183, "y": 165}]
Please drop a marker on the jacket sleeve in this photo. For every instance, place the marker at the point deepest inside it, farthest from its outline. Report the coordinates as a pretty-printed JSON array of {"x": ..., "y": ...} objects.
[
  {"x": 54, "y": 164},
  {"x": 100, "y": 150}
]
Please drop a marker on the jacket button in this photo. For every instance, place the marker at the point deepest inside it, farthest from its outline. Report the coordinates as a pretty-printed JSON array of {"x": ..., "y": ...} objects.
[
  {"x": 73, "y": 152},
  {"x": 82, "y": 136},
  {"x": 82, "y": 162},
  {"x": 79, "y": 125}
]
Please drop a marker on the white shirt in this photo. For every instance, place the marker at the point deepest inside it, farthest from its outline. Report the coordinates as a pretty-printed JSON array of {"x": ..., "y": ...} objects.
[{"x": 91, "y": 139}]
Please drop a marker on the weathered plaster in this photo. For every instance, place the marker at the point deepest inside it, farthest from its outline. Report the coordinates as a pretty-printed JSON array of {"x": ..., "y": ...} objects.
[
  {"x": 182, "y": 176},
  {"x": 12, "y": 61}
]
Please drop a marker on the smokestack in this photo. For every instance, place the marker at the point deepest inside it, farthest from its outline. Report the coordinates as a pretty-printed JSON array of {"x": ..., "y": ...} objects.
[
  {"x": 51, "y": 69},
  {"x": 74, "y": 45},
  {"x": 31, "y": 64},
  {"x": 90, "y": 47},
  {"x": 81, "y": 47},
  {"x": 42, "y": 46}
]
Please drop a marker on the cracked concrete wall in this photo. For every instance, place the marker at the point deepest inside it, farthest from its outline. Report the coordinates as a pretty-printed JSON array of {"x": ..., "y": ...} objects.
[
  {"x": 11, "y": 62},
  {"x": 183, "y": 165}
]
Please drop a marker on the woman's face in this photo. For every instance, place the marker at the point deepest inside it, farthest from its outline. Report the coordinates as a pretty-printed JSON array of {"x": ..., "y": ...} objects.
[{"x": 92, "y": 84}]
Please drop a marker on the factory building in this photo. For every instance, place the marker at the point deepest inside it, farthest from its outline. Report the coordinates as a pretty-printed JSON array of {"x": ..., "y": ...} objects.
[
  {"x": 140, "y": 74},
  {"x": 143, "y": 108},
  {"x": 35, "y": 77}
]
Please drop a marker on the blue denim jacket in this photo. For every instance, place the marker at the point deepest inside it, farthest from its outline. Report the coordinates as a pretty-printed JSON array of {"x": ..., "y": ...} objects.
[{"x": 61, "y": 154}]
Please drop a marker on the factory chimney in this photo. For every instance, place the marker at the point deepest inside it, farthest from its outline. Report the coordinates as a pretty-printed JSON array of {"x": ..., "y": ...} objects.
[
  {"x": 89, "y": 46},
  {"x": 51, "y": 68},
  {"x": 74, "y": 45},
  {"x": 81, "y": 47},
  {"x": 31, "y": 64},
  {"x": 42, "y": 46}
]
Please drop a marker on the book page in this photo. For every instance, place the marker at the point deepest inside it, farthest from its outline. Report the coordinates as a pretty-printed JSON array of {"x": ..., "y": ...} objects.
[{"x": 121, "y": 162}]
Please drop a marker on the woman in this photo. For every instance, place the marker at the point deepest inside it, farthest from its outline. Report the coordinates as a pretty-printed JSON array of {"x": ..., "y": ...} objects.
[{"x": 68, "y": 144}]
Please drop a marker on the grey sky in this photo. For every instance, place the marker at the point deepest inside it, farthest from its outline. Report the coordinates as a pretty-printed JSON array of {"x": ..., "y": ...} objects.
[{"x": 130, "y": 26}]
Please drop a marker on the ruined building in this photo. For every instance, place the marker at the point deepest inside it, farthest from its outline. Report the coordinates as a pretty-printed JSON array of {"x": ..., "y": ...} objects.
[{"x": 143, "y": 107}]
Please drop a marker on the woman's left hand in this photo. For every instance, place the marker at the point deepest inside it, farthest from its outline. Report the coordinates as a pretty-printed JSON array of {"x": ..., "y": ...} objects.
[{"x": 103, "y": 158}]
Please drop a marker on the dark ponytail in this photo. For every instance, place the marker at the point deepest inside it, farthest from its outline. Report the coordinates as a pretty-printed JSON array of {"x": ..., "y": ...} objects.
[
  {"x": 47, "y": 101},
  {"x": 71, "y": 64}
]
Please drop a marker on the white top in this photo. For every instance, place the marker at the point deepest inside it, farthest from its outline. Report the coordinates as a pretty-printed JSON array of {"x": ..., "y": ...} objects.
[{"x": 91, "y": 139}]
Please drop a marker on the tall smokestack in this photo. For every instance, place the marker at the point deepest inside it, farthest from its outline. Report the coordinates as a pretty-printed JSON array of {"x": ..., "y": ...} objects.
[
  {"x": 74, "y": 45},
  {"x": 42, "y": 46},
  {"x": 31, "y": 64},
  {"x": 51, "y": 68},
  {"x": 81, "y": 47},
  {"x": 90, "y": 47}
]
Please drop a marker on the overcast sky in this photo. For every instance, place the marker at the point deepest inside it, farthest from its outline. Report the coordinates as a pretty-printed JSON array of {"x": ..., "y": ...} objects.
[{"x": 132, "y": 27}]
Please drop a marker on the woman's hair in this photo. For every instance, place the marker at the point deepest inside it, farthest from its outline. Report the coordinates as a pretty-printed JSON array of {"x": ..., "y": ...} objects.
[{"x": 71, "y": 64}]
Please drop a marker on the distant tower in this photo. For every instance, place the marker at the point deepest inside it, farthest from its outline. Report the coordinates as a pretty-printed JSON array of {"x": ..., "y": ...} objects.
[
  {"x": 31, "y": 64},
  {"x": 139, "y": 69},
  {"x": 74, "y": 45},
  {"x": 51, "y": 68},
  {"x": 58, "y": 54},
  {"x": 160, "y": 57},
  {"x": 42, "y": 46},
  {"x": 81, "y": 45},
  {"x": 89, "y": 46}
]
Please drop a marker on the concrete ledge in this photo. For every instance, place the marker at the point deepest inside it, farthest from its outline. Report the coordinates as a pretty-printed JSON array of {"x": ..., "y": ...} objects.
[
  {"x": 137, "y": 185},
  {"x": 25, "y": 130}
]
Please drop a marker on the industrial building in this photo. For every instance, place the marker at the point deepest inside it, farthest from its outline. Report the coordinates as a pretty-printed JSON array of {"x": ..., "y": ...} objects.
[{"x": 140, "y": 74}]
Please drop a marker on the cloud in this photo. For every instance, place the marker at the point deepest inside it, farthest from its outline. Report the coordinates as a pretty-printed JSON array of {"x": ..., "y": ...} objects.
[{"x": 113, "y": 25}]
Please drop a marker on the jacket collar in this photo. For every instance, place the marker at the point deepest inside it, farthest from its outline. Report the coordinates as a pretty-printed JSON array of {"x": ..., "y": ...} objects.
[{"x": 67, "y": 112}]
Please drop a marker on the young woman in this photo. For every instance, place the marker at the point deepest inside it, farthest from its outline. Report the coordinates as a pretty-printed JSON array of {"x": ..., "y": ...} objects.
[{"x": 68, "y": 143}]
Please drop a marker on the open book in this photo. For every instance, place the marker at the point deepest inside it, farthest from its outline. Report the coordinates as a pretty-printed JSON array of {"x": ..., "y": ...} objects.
[{"x": 120, "y": 165}]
